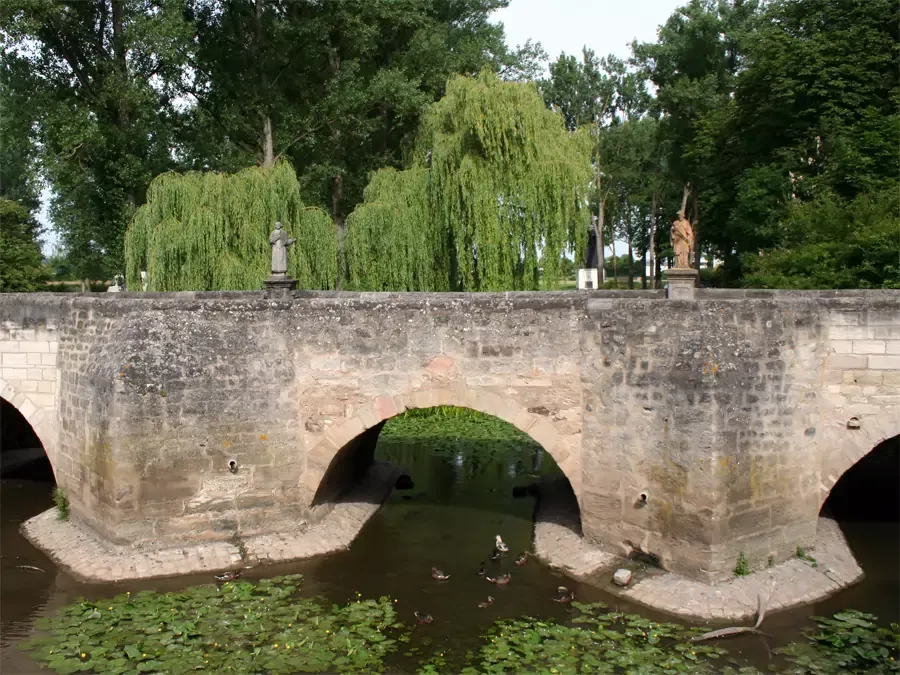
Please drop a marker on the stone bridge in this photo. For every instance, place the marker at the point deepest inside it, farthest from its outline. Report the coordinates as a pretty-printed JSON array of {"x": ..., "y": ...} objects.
[{"x": 735, "y": 413}]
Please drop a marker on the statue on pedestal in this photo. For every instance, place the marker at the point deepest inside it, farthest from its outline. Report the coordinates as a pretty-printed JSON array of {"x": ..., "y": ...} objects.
[
  {"x": 683, "y": 236},
  {"x": 279, "y": 241}
]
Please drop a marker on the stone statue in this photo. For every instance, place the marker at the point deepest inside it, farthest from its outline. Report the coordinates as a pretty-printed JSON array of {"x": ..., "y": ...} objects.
[
  {"x": 682, "y": 241},
  {"x": 279, "y": 240}
]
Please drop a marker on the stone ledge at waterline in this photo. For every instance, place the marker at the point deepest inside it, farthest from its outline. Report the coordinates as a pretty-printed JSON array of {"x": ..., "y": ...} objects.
[
  {"x": 88, "y": 558},
  {"x": 791, "y": 583},
  {"x": 735, "y": 412}
]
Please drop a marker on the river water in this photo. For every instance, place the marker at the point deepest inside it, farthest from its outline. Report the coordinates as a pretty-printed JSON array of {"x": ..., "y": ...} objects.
[{"x": 462, "y": 496}]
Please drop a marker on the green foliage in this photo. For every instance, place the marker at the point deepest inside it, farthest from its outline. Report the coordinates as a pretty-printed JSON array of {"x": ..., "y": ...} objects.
[
  {"x": 61, "y": 501},
  {"x": 598, "y": 642},
  {"x": 831, "y": 243},
  {"x": 803, "y": 554},
  {"x": 847, "y": 643},
  {"x": 742, "y": 568},
  {"x": 237, "y": 627},
  {"x": 394, "y": 243},
  {"x": 210, "y": 231},
  {"x": 21, "y": 264},
  {"x": 101, "y": 95},
  {"x": 502, "y": 195},
  {"x": 452, "y": 422}
]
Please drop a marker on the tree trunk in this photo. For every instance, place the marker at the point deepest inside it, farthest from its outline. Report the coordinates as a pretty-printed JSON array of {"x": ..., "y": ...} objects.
[
  {"x": 644, "y": 271},
  {"x": 615, "y": 263},
  {"x": 337, "y": 196},
  {"x": 268, "y": 135},
  {"x": 657, "y": 273},
  {"x": 695, "y": 225},
  {"x": 268, "y": 140},
  {"x": 601, "y": 220},
  {"x": 630, "y": 264},
  {"x": 652, "y": 240}
]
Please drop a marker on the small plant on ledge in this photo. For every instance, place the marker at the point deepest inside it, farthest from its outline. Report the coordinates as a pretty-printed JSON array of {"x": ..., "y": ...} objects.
[
  {"x": 804, "y": 555},
  {"x": 61, "y": 500},
  {"x": 742, "y": 568}
]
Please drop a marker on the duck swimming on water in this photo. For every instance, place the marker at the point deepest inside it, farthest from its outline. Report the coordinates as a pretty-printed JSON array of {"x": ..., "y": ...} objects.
[
  {"x": 500, "y": 546},
  {"x": 480, "y": 571},
  {"x": 228, "y": 576},
  {"x": 564, "y": 595},
  {"x": 437, "y": 574},
  {"x": 501, "y": 580},
  {"x": 423, "y": 618},
  {"x": 487, "y": 603},
  {"x": 522, "y": 559}
]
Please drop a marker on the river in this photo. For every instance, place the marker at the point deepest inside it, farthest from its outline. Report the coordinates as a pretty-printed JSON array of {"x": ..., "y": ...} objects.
[{"x": 461, "y": 498}]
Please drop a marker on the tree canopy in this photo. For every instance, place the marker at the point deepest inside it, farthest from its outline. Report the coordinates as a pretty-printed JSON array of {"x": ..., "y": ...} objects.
[{"x": 501, "y": 185}]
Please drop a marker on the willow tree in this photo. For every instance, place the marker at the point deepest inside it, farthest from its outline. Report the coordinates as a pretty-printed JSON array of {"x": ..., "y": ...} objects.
[
  {"x": 210, "y": 231},
  {"x": 497, "y": 190}
]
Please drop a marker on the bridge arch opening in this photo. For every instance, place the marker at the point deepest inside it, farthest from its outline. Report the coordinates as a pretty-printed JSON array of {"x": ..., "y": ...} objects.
[
  {"x": 450, "y": 453},
  {"x": 869, "y": 491},
  {"x": 22, "y": 454}
]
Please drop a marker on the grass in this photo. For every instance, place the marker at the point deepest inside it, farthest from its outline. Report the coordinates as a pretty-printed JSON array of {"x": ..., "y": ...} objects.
[
  {"x": 742, "y": 568},
  {"x": 61, "y": 501}
]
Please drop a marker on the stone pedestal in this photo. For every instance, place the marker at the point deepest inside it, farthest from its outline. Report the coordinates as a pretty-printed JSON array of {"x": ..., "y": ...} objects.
[
  {"x": 682, "y": 283},
  {"x": 280, "y": 286}
]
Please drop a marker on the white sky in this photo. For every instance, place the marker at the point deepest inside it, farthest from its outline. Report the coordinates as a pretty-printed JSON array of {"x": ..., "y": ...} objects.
[{"x": 606, "y": 26}]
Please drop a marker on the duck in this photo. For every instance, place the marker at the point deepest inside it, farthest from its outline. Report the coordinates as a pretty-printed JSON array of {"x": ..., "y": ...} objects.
[
  {"x": 227, "y": 576},
  {"x": 522, "y": 559},
  {"x": 495, "y": 554},
  {"x": 563, "y": 594},
  {"x": 437, "y": 574},
  {"x": 502, "y": 579},
  {"x": 487, "y": 603},
  {"x": 423, "y": 618},
  {"x": 480, "y": 571},
  {"x": 500, "y": 546}
]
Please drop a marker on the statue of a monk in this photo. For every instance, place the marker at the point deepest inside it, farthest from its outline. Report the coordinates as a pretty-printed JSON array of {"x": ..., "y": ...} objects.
[
  {"x": 682, "y": 241},
  {"x": 279, "y": 240}
]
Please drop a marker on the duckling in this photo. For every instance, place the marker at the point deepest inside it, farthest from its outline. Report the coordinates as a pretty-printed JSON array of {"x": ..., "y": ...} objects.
[
  {"x": 503, "y": 579},
  {"x": 563, "y": 594},
  {"x": 437, "y": 574},
  {"x": 480, "y": 571},
  {"x": 227, "y": 576},
  {"x": 423, "y": 618},
  {"x": 500, "y": 546},
  {"x": 495, "y": 554},
  {"x": 522, "y": 559},
  {"x": 487, "y": 603}
]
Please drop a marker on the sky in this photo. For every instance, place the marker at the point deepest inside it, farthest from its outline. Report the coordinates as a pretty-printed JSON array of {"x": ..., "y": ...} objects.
[{"x": 606, "y": 26}]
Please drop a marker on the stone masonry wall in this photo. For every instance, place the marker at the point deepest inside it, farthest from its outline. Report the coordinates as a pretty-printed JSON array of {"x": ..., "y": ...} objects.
[{"x": 729, "y": 412}]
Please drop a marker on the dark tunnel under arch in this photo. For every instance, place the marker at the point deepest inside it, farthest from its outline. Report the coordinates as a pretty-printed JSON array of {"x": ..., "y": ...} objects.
[{"x": 22, "y": 453}]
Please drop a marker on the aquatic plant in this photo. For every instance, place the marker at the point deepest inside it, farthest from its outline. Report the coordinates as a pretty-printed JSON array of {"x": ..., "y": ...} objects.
[
  {"x": 61, "y": 501},
  {"x": 598, "y": 642},
  {"x": 849, "y": 642},
  {"x": 233, "y": 628}
]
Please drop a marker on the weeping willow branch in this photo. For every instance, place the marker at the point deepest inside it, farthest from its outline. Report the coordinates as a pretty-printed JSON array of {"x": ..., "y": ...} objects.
[
  {"x": 497, "y": 190},
  {"x": 210, "y": 231}
]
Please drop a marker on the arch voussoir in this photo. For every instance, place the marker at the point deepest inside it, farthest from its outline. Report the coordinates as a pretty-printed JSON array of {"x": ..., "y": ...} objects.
[{"x": 40, "y": 419}]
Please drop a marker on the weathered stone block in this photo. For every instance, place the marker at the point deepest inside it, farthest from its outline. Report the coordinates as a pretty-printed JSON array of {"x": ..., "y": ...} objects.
[{"x": 884, "y": 362}]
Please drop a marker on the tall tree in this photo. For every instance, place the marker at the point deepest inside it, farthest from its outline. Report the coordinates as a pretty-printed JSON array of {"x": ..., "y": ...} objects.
[
  {"x": 336, "y": 87},
  {"x": 503, "y": 184},
  {"x": 20, "y": 252},
  {"x": 104, "y": 71}
]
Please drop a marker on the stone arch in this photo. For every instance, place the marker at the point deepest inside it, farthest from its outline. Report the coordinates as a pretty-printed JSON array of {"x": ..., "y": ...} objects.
[
  {"x": 843, "y": 447},
  {"x": 564, "y": 448},
  {"x": 41, "y": 419}
]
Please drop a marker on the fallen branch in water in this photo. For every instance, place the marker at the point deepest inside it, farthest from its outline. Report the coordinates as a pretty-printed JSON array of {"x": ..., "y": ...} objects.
[
  {"x": 30, "y": 567},
  {"x": 741, "y": 630}
]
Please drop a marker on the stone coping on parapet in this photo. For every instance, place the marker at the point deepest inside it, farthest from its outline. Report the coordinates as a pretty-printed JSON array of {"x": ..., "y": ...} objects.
[
  {"x": 80, "y": 553},
  {"x": 557, "y": 543}
]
